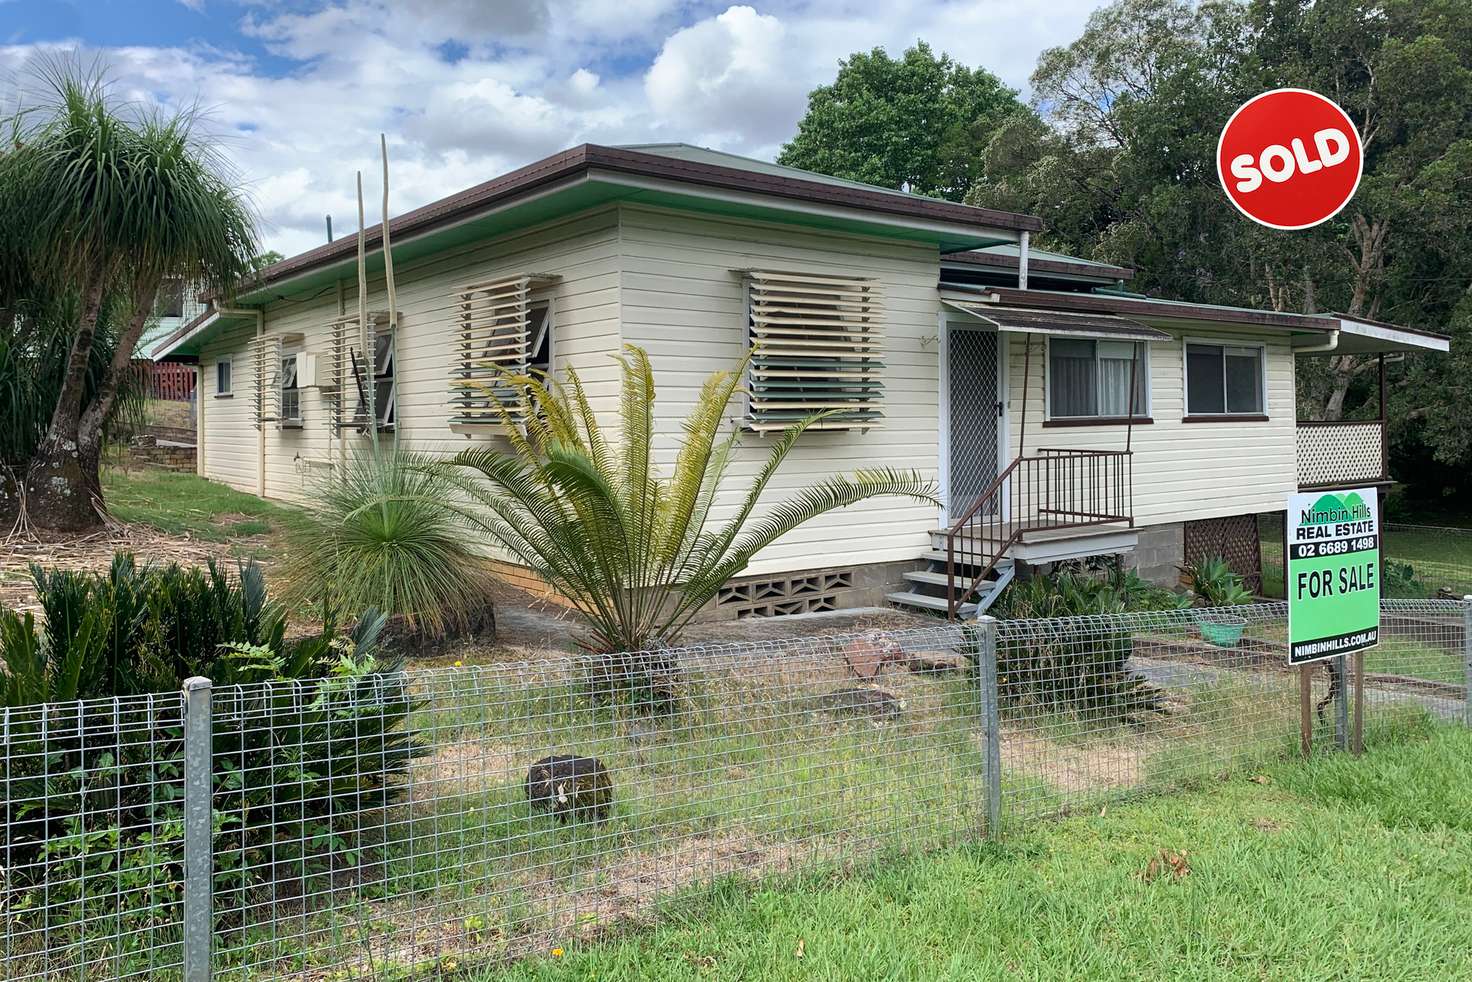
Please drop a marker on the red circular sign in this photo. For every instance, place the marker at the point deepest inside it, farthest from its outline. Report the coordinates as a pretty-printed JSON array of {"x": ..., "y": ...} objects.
[{"x": 1289, "y": 159}]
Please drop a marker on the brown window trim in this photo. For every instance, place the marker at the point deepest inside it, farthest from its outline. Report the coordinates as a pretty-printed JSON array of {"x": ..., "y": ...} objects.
[
  {"x": 1098, "y": 421},
  {"x": 1228, "y": 418}
]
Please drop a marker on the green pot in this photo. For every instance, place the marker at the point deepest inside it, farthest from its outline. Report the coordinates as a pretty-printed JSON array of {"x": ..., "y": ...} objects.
[{"x": 1222, "y": 630}]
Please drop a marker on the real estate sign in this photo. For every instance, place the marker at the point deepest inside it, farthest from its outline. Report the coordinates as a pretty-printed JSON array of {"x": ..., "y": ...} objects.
[{"x": 1333, "y": 554}]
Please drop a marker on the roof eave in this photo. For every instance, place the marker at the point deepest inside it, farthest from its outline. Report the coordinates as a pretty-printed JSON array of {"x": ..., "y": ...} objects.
[{"x": 560, "y": 169}]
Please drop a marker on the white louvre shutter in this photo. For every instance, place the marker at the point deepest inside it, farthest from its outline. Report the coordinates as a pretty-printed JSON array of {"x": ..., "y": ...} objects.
[
  {"x": 495, "y": 321},
  {"x": 265, "y": 368},
  {"x": 817, "y": 343}
]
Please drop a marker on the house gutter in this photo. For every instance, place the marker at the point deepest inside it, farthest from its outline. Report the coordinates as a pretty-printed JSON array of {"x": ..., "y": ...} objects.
[
  {"x": 1328, "y": 345},
  {"x": 260, "y": 317}
]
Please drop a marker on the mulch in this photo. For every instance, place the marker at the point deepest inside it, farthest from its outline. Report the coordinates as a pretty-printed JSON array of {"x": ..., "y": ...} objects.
[{"x": 94, "y": 552}]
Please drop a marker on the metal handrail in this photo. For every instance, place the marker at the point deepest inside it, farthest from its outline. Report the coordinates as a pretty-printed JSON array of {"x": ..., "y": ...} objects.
[{"x": 1054, "y": 488}]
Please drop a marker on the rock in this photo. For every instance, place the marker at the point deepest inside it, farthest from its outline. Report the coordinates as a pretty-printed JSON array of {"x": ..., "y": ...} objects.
[
  {"x": 867, "y": 654},
  {"x": 874, "y": 703},
  {"x": 939, "y": 662},
  {"x": 567, "y": 786}
]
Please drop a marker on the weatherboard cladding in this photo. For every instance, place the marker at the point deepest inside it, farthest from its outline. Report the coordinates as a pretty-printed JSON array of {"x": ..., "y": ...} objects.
[{"x": 670, "y": 281}]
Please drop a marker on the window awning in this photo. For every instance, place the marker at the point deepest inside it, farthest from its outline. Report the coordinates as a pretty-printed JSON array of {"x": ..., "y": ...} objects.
[{"x": 1021, "y": 320}]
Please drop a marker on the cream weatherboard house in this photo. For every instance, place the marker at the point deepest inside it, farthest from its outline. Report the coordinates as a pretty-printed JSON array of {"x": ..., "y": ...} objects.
[{"x": 1063, "y": 415}]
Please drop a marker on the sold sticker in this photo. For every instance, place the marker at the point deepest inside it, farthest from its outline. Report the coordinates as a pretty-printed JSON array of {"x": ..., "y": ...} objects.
[{"x": 1290, "y": 159}]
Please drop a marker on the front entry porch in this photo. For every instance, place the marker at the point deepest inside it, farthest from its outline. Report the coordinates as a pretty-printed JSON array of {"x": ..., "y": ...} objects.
[{"x": 1043, "y": 505}]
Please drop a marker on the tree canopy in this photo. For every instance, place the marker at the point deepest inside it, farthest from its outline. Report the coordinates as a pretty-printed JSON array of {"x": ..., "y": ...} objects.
[{"x": 915, "y": 122}]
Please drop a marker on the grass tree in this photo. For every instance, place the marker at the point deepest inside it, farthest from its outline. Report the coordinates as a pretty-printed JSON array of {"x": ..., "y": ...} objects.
[
  {"x": 105, "y": 200},
  {"x": 636, "y": 551}
]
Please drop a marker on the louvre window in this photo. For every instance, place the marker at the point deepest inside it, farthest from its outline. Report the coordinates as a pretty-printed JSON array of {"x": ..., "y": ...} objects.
[
  {"x": 384, "y": 395},
  {"x": 345, "y": 373},
  {"x": 291, "y": 394},
  {"x": 265, "y": 365},
  {"x": 816, "y": 347},
  {"x": 503, "y": 331}
]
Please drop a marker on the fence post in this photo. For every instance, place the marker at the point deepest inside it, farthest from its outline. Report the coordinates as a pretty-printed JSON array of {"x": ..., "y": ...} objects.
[
  {"x": 1467, "y": 658},
  {"x": 1341, "y": 702},
  {"x": 991, "y": 725},
  {"x": 198, "y": 858}
]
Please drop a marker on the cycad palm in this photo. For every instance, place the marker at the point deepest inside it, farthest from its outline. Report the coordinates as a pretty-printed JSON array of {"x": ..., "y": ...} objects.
[{"x": 638, "y": 553}]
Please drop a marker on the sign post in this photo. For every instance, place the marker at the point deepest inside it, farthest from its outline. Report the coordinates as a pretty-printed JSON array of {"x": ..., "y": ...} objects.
[{"x": 1333, "y": 563}]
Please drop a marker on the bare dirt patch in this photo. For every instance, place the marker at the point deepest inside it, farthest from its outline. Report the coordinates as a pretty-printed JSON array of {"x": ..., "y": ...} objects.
[
  {"x": 1096, "y": 765},
  {"x": 94, "y": 552}
]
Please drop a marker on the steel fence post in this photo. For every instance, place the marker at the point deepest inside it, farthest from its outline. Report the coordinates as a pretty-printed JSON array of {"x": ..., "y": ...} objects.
[
  {"x": 1467, "y": 659},
  {"x": 198, "y": 858},
  {"x": 991, "y": 725}
]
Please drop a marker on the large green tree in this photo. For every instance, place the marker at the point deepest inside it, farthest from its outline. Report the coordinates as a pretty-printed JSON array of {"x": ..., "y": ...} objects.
[
  {"x": 915, "y": 122},
  {"x": 103, "y": 200}
]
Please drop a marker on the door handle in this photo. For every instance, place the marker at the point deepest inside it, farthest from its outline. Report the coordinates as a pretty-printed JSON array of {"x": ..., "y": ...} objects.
[{"x": 1001, "y": 409}]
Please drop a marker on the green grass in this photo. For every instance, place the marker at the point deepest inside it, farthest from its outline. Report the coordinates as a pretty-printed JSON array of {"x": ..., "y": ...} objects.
[
  {"x": 1403, "y": 656},
  {"x": 185, "y": 504},
  {"x": 1441, "y": 558},
  {"x": 1332, "y": 869}
]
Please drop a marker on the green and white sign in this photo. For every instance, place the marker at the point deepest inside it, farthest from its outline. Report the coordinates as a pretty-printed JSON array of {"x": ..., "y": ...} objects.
[{"x": 1333, "y": 574}]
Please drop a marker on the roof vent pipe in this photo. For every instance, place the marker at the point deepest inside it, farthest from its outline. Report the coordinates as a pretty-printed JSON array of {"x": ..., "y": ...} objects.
[{"x": 1023, "y": 241}]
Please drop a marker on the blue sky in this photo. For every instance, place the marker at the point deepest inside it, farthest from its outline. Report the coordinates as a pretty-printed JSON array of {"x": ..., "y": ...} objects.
[{"x": 298, "y": 90}]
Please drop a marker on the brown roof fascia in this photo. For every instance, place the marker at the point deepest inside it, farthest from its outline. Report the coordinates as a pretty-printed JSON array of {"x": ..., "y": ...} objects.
[
  {"x": 1153, "y": 308},
  {"x": 1041, "y": 265},
  {"x": 579, "y": 160}
]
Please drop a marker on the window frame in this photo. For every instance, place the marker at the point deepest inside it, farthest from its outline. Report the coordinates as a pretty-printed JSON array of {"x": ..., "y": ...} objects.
[
  {"x": 388, "y": 409},
  {"x": 1225, "y": 416},
  {"x": 1142, "y": 414},
  {"x": 228, "y": 362},
  {"x": 290, "y": 422}
]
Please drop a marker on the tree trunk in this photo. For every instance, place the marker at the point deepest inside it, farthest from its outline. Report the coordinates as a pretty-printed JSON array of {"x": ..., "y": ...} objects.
[
  {"x": 58, "y": 494},
  {"x": 94, "y": 417}
]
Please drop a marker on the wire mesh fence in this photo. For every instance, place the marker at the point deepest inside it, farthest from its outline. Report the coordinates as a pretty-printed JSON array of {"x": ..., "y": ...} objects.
[
  {"x": 1427, "y": 560},
  {"x": 397, "y": 826},
  {"x": 1419, "y": 562}
]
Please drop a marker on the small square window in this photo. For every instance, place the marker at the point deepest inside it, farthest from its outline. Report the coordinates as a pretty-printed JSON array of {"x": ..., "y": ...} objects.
[{"x": 1224, "y": 380}]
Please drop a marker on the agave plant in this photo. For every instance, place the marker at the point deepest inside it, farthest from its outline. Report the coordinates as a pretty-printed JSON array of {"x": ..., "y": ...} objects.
[{"x": 636, "y": 551}]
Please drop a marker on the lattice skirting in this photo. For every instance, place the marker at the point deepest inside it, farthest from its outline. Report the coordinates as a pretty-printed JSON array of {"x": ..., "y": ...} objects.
[{"x": 1235, "y": 539}]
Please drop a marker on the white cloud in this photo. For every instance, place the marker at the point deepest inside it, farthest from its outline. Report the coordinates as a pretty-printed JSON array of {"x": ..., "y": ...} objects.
[
  {"x": 725, "y": 79},
  {"x": 467, "y": 89}
]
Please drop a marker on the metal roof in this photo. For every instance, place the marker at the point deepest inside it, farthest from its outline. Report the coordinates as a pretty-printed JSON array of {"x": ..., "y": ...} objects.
[{"x": 1021, "y": 320}]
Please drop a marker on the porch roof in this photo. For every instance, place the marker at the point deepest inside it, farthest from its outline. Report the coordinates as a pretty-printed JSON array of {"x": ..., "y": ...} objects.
[
  {"x": 1022, "y": 320},
  {"x": 1314, "y": 333}
]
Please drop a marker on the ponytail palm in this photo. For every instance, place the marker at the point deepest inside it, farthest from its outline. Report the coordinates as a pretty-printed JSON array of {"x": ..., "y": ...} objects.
[{"x": 639, "y": 553}]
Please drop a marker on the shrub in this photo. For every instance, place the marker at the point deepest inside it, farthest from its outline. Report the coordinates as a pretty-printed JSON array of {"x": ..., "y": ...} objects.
[
  {"x": 1402, "y": 580},
  {"x": 638, "y": 552},
  {"x": 93, "y": 787},
  {"x": 386, "y": 533},
  {"x": 1214, "y": 583},
  {"x": 1075, "y": 666}
]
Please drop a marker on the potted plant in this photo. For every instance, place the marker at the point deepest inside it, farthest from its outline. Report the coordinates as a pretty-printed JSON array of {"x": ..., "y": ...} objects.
[{"x": 1216, "y": 586}]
